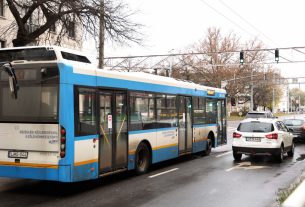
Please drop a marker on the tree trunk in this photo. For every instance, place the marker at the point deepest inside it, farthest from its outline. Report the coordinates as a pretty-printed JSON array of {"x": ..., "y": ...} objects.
[{"x": 102, "y": 36}]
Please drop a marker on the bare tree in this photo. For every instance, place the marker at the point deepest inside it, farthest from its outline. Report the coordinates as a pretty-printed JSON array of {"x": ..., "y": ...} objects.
[{"x": 117, "y": 23}]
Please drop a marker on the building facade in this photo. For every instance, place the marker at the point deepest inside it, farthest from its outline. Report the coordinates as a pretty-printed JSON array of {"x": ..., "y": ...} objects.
[{"x": 72, "y": 38}]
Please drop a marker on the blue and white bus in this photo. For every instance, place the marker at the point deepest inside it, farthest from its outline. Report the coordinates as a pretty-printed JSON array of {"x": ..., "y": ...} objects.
[{"x": 63, "y": 119}]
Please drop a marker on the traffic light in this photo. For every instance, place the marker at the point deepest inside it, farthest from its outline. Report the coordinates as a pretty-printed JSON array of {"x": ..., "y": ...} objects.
[
  {"x": 241, "y": 57},
  {"x": 277, "y": 55},
  {"x": 233, "y": 101}
]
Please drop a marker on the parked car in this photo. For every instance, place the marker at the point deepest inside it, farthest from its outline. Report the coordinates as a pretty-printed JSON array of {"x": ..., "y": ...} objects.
[
  {"x": 260, "y": 114},
  {"x": 262, "y": 137},
  {"x": 298, "y": 127}
]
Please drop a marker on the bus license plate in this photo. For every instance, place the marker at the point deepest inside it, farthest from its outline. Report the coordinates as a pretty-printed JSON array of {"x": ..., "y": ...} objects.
[
  {"x": 18, "y": 154},
  {"x": 253, "y": 139}
]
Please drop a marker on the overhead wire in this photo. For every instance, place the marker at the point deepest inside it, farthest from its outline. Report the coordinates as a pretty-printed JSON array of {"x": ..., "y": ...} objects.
[
  {"x": 249, "y": 23},
  {"x": 233, "y": 22}
]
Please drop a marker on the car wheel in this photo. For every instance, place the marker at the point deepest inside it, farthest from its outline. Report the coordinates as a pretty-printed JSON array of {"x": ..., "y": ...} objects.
[
  {"x": 142, "y": 159},
  {"x": 290, "y": 153},
  {"x": 237, "y": 157},
  {"x": 280, "y": 156}
]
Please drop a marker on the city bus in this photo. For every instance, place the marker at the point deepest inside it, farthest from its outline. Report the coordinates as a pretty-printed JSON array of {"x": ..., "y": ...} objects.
[{"x": 63, "y": 119}]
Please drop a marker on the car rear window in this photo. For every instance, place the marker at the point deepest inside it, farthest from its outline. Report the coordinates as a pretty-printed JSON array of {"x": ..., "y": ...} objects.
[
  {"x": 293, "y": 122},
  {"x": 256, "y": 115},
  {"x": 260, "y": 127}
]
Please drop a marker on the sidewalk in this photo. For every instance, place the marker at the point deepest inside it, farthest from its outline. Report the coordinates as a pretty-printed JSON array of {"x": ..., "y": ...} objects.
[{"x": 296, "y": 198}]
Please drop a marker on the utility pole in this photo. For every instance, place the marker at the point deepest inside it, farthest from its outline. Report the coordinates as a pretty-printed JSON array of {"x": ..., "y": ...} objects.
[
  {"x": 251, "y": 103},
  {"x": 273, "y": 94},
  {"x": 102, "y": 35},
  {"x": 288, "y": 105},
  {"x": 299, "y": 97}
]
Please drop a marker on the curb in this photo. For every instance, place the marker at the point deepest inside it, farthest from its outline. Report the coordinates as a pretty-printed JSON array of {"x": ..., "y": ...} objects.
[{"x": 297, "y": 198}]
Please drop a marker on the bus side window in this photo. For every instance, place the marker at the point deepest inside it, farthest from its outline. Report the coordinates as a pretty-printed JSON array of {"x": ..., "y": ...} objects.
[
  {"x": 142, "y": 111},
  {"x": 85, "y": 112}
]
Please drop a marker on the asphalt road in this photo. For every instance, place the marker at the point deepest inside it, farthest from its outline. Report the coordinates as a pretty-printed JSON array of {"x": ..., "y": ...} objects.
[{"x": 214, "y": 180}]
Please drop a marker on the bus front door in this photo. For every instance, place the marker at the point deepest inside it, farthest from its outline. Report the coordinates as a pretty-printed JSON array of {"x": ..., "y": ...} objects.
[
  {"x": 185, "y": 124},
  {"x": 112, "y": 130}
]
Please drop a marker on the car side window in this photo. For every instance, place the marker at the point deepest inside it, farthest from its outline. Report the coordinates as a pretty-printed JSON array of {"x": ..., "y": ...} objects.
[
  {"x": 279, "y": 126},
  {"x": 284, "y": 127}
]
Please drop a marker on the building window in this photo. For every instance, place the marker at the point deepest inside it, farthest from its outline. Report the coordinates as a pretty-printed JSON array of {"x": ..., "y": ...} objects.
[
  {"x": 1, "y": 7},
  {"x": 2, "y": 44},
  {"x": 71, "y": 29}
]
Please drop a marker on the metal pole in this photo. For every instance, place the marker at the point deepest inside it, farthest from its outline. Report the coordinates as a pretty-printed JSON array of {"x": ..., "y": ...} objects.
[
  {"x": 288, "y": 105},
  {"x": 273, "y": 93},
  {"x": 251, "y": 104},
  {"x": 273, "y": 101},
  {"x": 299, "y": 97}
]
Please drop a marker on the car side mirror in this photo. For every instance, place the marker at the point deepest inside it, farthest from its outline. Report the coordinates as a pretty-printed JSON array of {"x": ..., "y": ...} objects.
[{"x": 290, "y": 130}]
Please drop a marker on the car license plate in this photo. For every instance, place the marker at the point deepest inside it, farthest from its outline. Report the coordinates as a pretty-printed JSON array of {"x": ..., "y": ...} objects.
[
  {"x": 18, "y": 154},
  {"x": 253, "y": 139}
]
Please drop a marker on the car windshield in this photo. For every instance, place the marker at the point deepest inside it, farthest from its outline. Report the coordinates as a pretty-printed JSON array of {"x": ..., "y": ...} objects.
[
  {"x": 260, "y": 127},
  {"x": 293, "y": 122},
  {"x": 256, "y": 115}
]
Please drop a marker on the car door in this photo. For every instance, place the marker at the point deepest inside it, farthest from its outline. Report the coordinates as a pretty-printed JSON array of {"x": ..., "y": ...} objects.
[
  {"x": 282, "y": 132},
  {"x": 289, "y": 135},
  {"x": 286, "y": 136}
]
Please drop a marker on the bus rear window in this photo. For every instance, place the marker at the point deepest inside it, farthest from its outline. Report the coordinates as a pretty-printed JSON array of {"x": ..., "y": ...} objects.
[{"x": 32, "y": 54}]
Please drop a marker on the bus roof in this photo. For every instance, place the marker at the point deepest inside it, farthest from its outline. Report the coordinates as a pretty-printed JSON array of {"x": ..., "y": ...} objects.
[{"x": 90, "y": 69}]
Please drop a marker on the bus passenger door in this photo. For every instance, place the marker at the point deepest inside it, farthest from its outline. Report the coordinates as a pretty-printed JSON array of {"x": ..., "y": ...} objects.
[
  {"x": 221, "y": 122},
  {"x": 112, "y": 130},
  {"x": 185, "y": 124}
]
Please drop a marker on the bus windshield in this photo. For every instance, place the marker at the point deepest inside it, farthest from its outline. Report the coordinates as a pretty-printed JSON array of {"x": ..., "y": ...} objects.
[{"x": 37, "y": 95}]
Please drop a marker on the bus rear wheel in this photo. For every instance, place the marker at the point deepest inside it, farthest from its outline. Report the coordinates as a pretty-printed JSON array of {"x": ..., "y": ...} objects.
[
  {"x": 142, "y": 159},
  {"x": 209, "y": 147}
]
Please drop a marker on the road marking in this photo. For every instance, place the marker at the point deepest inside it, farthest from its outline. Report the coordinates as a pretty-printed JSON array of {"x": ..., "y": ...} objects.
[
  {"x": 162, "y": 173},
  {"x": 223, "y": 154},
  {"x": 246, "y": 166}
]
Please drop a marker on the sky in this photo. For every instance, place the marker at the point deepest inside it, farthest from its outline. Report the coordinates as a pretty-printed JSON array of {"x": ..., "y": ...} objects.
[{"x": 174, "y": 25}]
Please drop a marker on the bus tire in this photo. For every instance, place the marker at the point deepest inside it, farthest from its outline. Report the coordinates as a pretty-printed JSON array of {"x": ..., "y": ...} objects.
[
  {"x": 208, "y": 150},
  {"x": 142, "y": 161}
]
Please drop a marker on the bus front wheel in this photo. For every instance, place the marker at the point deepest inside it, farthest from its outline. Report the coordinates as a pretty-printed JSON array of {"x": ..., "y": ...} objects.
[{"x": 142, "y": 159}]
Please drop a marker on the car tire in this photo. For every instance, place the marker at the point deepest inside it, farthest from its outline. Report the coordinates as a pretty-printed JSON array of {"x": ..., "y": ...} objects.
[
  {"x": 237, "y": 157},
  {"x": 280, "y": 156},
  {"x": 142, "y": 162},
  {"x": 290, "y": 153}
]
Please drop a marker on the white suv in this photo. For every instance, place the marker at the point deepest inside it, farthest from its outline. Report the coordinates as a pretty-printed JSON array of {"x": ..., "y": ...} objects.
[{"x": 262, "y": 137}]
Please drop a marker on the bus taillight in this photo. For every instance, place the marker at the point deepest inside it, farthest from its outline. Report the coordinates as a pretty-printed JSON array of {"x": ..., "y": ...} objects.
[{"x": 62, "y": 142}]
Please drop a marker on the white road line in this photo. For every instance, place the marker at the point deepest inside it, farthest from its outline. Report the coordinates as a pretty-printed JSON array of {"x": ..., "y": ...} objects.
[
  {"x": 162, "y": 173},
  {"x": 224, "y": 154}
]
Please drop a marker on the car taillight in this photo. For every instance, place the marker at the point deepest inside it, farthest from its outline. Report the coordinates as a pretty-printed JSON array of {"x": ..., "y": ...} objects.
[
  {"x": 303, "y": 127},
  {"x": 272, "y": 136},
  {"x": 236, "y": 135},
  {"x": 62, "y": 142}
]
